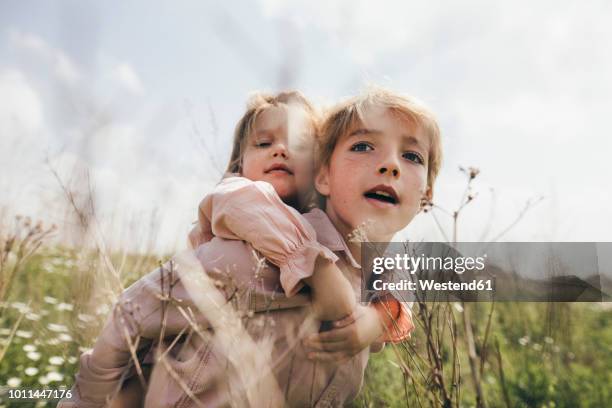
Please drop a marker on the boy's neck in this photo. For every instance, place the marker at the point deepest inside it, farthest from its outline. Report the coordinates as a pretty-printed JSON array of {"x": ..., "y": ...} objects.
[{"x": 350, "y": 234}]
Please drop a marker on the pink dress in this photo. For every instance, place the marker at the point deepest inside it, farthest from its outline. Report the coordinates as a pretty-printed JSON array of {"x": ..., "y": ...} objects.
[{"x": 198, "y": 364}]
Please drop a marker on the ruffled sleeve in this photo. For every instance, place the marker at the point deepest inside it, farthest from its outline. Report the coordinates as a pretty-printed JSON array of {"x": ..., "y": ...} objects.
[
  {"x": 252, "y": 211},
  {"x": 396, "y": 317}
]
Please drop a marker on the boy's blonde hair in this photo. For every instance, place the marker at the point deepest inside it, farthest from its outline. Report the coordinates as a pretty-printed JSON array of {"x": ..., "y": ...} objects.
[
  {"x": 257, "y": 103},
  {"x": 339, "y": 120}
]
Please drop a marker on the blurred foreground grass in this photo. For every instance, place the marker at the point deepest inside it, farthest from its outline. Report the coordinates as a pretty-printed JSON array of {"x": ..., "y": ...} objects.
[{"x": 553, "y": 355}]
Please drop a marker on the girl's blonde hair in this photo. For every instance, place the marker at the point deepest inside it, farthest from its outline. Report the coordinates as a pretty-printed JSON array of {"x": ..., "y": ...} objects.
[{"x": 256, "y": 104}]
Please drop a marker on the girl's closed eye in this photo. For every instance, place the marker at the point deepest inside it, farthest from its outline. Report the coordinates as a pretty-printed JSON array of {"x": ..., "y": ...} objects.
[
  {"x": 263, "y": 143},
  {"x": 413, "y": 157},
  {"x": 361, "y": 147}
]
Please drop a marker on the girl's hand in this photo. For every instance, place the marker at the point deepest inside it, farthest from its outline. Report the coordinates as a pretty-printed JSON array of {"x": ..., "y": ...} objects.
[{"x": 348, "y": 337}]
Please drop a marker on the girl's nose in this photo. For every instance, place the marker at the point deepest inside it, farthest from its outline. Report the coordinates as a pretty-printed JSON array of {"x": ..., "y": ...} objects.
[{"x": 280, "y": 150}]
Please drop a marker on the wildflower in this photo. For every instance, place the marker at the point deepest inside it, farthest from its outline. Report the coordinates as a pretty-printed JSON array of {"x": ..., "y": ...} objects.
[
  {"x": 64, "y": 306},
  {"x": 29, "y": 347},
  {"x": 13, "y": 382},
  {"x": 53, "y": 342},
  {"x": 53, "y": 376},
  {"x": 471, "y": 172},
  {"x": 33, "y": 355},
  {"x": 43, "y": 380},
  {"x": 24, "y": 334},
  {"x": 548, "y": 340},
  {"x": 56, "y": 360},
  {"x": 22, "y": 307},
  {"x": 64, "y": 337},
  {"x": 31, "y": 371},
  {"x": 523, "y": 341},
  {"x": 5, "y": 331},
  {"x": 537, "y": 347},
  {"x": 458, "y": 306},
  {"x": 57, "y": 327},
  {"x": 32, "y": 316},
  {"x": 72, "y": 359},
  {"x": 50, "y": 300}
]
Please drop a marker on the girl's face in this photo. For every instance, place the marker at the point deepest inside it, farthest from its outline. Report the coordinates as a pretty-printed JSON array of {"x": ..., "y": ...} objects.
[{"x": 279, "y": 151}]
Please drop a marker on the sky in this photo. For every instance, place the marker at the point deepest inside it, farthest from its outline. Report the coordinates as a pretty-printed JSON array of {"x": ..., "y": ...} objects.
[{"x": 142, "y": 97}]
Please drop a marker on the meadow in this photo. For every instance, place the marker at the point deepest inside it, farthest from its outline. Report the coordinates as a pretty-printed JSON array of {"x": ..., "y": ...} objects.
[{"x": 479, "y": 354}]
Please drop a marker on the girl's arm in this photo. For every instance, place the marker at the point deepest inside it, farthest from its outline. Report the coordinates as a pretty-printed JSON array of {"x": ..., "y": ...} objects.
[{"x": 252, "y": 211}]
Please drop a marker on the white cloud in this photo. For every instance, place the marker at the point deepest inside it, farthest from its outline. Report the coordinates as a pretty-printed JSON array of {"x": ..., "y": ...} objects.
[
  {"x": 366, "y": 30},
  {"x": 20, "y": 105},
  {"x": 127, "y": 77},
  {"x": 62, "y": 65}
]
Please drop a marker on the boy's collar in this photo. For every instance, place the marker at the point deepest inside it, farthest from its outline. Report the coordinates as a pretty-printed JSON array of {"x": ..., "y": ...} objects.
[{"x": 328, "y": 235}]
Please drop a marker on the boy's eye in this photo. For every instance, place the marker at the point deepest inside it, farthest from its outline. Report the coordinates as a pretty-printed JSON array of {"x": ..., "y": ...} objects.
[
  {"x": 413, "y": 157},
  {"x": 361, "y": 147}
]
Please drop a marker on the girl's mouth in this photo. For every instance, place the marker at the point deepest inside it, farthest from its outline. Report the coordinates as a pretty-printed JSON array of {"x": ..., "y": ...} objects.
[{"x": 279, "y": 168}]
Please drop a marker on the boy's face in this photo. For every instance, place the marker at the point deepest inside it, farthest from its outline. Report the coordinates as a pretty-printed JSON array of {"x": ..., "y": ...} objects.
[
  {"x": 377, "y": 175},
  {"x": 277, "y": 151}
]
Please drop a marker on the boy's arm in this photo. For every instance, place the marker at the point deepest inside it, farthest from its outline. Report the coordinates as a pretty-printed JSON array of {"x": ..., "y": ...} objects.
[
  {"x": 252, "y": 211},
  {"x": 396, "y": 318}
]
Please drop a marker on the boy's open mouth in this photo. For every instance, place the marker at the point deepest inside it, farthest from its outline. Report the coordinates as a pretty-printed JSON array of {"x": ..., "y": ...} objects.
[{"x": 385, "y": 194}]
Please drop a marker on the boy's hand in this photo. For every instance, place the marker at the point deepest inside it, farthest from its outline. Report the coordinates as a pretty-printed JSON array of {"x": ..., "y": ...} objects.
[{"x": 348, "y": 337}]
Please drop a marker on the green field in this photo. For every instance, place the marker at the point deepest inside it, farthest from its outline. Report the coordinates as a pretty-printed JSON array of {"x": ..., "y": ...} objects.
[{"x": 535, "y": 355}]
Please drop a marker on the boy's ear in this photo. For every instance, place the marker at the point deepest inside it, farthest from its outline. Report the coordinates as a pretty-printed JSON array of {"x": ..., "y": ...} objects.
[
  {"x": 429, "y": 193},
  {"x": 426, "y": 198},
  {"x": 322, "y": 181}
]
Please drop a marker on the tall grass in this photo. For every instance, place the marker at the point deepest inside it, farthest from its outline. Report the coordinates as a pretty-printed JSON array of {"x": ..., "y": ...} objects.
[{"x": 55, "y": 298}]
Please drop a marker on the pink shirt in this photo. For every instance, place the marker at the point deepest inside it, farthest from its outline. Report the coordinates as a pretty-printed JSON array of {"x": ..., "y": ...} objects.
[{"x": 203, "y": 363}]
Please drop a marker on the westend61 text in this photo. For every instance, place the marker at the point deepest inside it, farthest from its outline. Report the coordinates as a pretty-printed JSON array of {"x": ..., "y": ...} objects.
[
  {"x": 413, "y": 264},
  {"x": 405, "y": 284}
]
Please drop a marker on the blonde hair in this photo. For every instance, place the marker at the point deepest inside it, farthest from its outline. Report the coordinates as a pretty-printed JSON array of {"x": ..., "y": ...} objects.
[
  {"x": 257, "y": 103},
  {"x": 344, "y": 115}
]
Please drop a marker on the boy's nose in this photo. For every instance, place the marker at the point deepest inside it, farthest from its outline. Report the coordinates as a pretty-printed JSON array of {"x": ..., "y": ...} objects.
[
  {"x": 394, "y": 171},
  {"x": 390, "y": 167}
]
